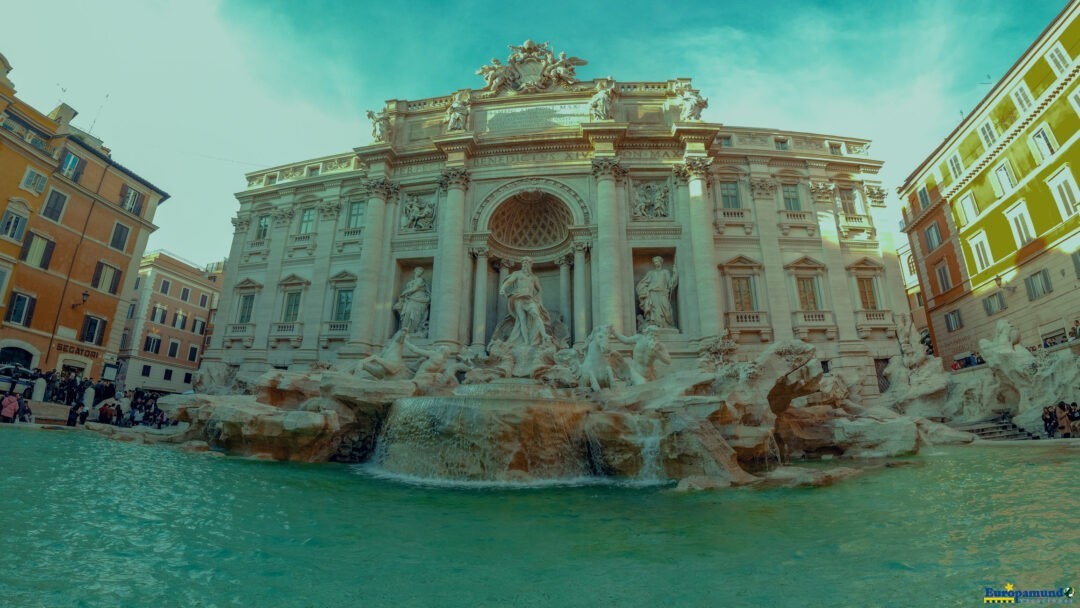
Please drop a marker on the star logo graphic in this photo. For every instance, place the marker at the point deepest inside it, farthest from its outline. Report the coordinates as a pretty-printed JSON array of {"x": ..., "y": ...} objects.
[{"x": 1009, "y": 587}]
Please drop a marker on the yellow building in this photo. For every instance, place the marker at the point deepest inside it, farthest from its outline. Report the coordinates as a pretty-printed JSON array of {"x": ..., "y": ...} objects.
[{"x": 1000, "y": 197}]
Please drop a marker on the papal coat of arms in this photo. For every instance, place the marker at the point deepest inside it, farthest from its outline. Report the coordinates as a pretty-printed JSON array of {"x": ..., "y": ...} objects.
[{"x": 530, "y": 68}]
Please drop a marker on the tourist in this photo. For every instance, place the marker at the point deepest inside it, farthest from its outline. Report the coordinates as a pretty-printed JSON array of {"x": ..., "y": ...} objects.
[
  {"x": 8, "y": 407},
  {"x": 1074, "y": 332},
  {"x": 24, "y": 414},
  {"x": 73, "y": 414},
  {"x": 1049, "y": 421},
  {"x": 1064, "y": 426}
]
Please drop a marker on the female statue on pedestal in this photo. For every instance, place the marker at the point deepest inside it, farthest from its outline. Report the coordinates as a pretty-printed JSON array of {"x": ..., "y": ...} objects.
[
  {"x": 412, "y": 305},
  {"x": 654, "y": 294}
]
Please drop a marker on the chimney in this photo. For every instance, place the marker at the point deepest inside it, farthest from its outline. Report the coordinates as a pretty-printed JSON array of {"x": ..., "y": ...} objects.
[{"x": 62, "y": 116}]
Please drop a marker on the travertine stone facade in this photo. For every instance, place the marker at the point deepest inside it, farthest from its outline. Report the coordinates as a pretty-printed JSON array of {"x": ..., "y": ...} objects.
[{"x": 765, "y": 234}]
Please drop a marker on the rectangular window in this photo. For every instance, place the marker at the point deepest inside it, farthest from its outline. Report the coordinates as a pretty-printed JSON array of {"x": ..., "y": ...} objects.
[
  {"x": 834, "y": 149},
  {"x": 167, "y": 375},
  {"x": 1076, "y": 262},
  {"x": 106, "y": 278},
  {"x": 867, "y": 293},
  {"x": 343, "y": 304},
  {"x": 146, "y": 371},
  {"x": 729, "y": 195},
  {"x": 1044, "y": 144},
  {"x": 988, "y": 134},
  {"x": 742, "y": 294},
  {"x": 33, "y": 181},
  {"x": 1003, "y": 175},
  {"x": 1022, "y": 97},
  {"x": 924, "y": 198},
  {"x": 291, "y": 311},
  {"x": 54, "y": 206},
  {"x": 1038, "y": 285},
  {"x": 918, "y": 298},
  {"x": 165, "y": 286},
  {"x": 952, "y": 320},
  {"x": 13, "y": 225},
  {"x": 725, "y": 141},
  {"x": 179, "y": 320},
  {"x": 980, "y": 249},
  {"x": 69, "y": 166},
  {"x": 271, "y": 179},
  {"x": 791, "y": 198},
  {"x": 93, "y": 330},
  {"x": 1063, "y": 187},
  {"x": 152, "y": 344},
  {"x": 968, "y": 209},
  {"x": 131, "y": 200},
  {"x": 203, "y": 300},
  {"x": 313, "y": 171},
  {"x": 192, "y": 353},
  {"x": 185, "y": 293},
  {"x": 808, "y": 293},
  {"x": 119, "y": 237},
  {"x": 307, "y": 222},
  {"x": 955, "y": 166},
  {"x": 1020, "y": 222},
  {"x": 187, "y": 378},
  {"x": 943, "y": 278},
  {"x": 125, "y": 339},
  {"x": 131, "y": 311},
  {"x": 138, "y": 280},
  {"x": 174, "y": 348},
  {"x": 1058, "y": 59},
  {"x": 781, "y": 144},
  {"x": 847, "y": 201},
  {"x": 356, "y": 214},
  {"x": 933, "y": 237},
  {"x": 247, "y": 302},
  {"x": 262, "y": 227},
  {"x": 158, "y": 314},
  {"x": 198, "y": 326},
  {"x": 20, "y": 309},
  {"x": 36, "y": 250},
  {"x": 994, "y": 303}
]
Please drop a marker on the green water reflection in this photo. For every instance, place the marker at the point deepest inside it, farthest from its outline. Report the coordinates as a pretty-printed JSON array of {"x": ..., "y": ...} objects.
[{"x": 92, "y": 522}]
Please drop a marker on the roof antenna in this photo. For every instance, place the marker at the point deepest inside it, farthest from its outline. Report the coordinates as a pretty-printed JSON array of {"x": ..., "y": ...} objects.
[{"x": 98, "y": 113}]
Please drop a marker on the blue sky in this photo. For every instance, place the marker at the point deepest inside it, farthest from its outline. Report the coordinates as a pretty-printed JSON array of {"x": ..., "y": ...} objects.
[{"x": 201, "y": 91}]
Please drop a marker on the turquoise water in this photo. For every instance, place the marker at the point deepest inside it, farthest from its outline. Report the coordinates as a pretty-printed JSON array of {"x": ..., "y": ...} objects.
[{"x": 93, "y": 522}]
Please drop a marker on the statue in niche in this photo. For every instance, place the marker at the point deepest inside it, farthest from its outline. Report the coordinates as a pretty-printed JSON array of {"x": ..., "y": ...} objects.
[
  {"x": 652, "y": 202},
  {"x": 457, "y": 113},
  {"x": 418, "y": 214},
  {"x": 692, "y": 102},
  {"x": 647, "y": 351},
  {"x": 412, "y": 305},
  {"x": 562, "y": 71},
  {"x": 522, "y": 291},
  {"x": 654, "y": 295},
  {"x": 602, "y": 104},
  {"x": 380, "y": 125}
]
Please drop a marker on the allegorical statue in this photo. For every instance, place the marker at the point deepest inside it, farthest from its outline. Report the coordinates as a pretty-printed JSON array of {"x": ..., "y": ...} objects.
[
  {"x": 457, "y": 113},
  {"x": 522, "y": 291},
  {"x": 413, "y": 303},
  {"x": 602, "y": 103},
  {"x": 380, "y": 125},
  {"x": 562, "y": 71},
  {"x": 496, "y": 76},
  {"x": 692, "y": 102},
  {"x": 654, "y": 294}
]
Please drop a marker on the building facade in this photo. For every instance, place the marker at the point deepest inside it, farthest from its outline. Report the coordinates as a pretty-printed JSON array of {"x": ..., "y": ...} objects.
[
  {"x": 75, "y": 223},
  {"x": 618, "y": 192},
  {"x": 166, "y": 324},
  {"x": 992, "y": 214}
]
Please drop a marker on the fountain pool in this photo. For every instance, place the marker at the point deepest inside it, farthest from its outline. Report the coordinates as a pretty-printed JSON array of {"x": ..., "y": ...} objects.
[{"x": 94, "y": 522}]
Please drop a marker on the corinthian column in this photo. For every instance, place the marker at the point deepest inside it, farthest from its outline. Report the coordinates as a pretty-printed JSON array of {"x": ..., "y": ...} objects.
[
  {"x": 450, "y": 279},
  {"x": 371, "y": 257},
  {"x": 581, "y": 329},
  {"x": 703, "y": 251},
  {"x": 564, "y": 289},
  {"x": 479, "y": 319},
  {"x": 608, "y": 250}
]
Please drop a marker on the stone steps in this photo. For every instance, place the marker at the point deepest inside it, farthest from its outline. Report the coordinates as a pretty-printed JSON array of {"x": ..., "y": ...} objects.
[{"x": 996, "y": 430}]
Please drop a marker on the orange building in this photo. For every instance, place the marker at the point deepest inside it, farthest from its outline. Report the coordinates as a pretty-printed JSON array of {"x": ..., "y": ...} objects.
[{"x": 74, "y": 227}]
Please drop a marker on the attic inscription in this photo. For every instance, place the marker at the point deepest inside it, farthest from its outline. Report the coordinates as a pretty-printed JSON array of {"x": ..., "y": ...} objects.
[{"x": 534, "y": 118}]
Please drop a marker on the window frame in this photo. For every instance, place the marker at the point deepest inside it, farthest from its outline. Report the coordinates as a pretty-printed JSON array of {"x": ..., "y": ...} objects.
[
  {"x": 1022, "y": 98},
  {"x": 1019, "y": 211},
  {"x": 791, "y": 189},
  {"x": 99, "y": 326},
  {"x": 968, "y": 208},
  {"x": 165, "y": 287},
  {"x": 45, "y": 208},
  {"x": 174, "y": 349},
  {"x": 35, "y": 184},
  {"x": 101, "y": 273},
  {"x": 185, "y": 294},
  {"x": 356, "y": 214},
  {"x": 988, "y": 134},
  {"x": 932, "y": 243},
  {"x": 1038, "y": 284},
  {"x": 152, "y": 340},
  {"x": 1065, "y": 176},
  {"x": 243, "y": 313},
  {"x": 336, "y": 314},
  {"x": 732, "y": 195},
  {"x": 45, "y": 257},
  {"x": 306, "y": 222},
  {"x": 994, "y": 303},
  {"x": 956, "y": 165},
  {"x": 290, "y": 305},
  {"x": 20, "y": 224},
  {"x": 1055, "y": 54},
  {"x": 943, "y": 276},
  {"x": 262, "y": 227},
  {"x": 953, "y": 320},
  {"x": 117, "y": 228},
  {"x": 976, "y": 242},
  {"x": 26, "y": 311},
  {"x": 1004, "y": 168}
]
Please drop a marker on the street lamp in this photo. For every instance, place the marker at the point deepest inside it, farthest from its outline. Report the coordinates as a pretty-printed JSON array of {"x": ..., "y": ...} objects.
[{"x": 85, "y": 297}]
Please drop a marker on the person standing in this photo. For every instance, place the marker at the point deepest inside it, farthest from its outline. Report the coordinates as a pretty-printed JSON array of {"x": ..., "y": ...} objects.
[
  {"x": 9, "y": 407},
  {"x": 1064, "y": 426}
]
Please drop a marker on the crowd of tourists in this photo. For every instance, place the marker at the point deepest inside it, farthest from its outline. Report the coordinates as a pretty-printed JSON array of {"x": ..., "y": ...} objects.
[
  {"x": 133, "y": 408},
  {"x": 14, "y": 408},
  {"x": 971, "y": 360},
  {"x": 1062, "y": 418}
]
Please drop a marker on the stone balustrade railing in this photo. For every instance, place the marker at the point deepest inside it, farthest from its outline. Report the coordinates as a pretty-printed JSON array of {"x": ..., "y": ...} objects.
[{"x": 304, "y": 170}]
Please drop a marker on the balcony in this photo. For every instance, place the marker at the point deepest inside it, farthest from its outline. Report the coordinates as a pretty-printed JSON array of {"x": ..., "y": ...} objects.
[
  {"x": 290, "y": 332},
  {"x": 301, "y": 243},
  {"x": 734, "y": 217},
  {"x": 243, "y": 333},
  {"x": 853, "y": 222},
  {"x": 333, "y": 331},
  {"x": 749, "y": 322},
  {"x": 805, "y": 322},
  {"x": 867, "y": 321},
  {"x": 257, "y": 245},
  {"x": 806, "y": 220}
]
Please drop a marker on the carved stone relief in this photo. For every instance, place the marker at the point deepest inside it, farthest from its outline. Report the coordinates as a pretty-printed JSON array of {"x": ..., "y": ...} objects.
[
  {"x": 418, "y": 213},
  {"x": 651, "y": 201}
]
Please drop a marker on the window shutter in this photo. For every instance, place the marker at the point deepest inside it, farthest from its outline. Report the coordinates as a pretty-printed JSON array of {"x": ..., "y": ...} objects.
[
  {"x": 123, "y": 194},
  {"x": 1030, "y": 290},
  {"x": 82, "y": 332},
  {"x": 46, "y": 257},
  {"x": 1046, "y": 280},
  {"x": 115, "y": 282},
  {"x": 96, "y": 282},
  {"x": 26, "y": 245},
  {"x": 986, "y": 306},
  {"x": 10, "y": 306},
  {"x": 78, "y": 170},
  {"x": 100, "y": 338},
  {"x": 146, "y": 344},
  {"x": 137, "y": 209},
  {"x": 1076, "y": 263},
  {"x": 29, "y": 311}
]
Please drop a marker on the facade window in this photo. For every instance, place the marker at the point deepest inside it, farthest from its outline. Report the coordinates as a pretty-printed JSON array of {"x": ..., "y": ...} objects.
[
  {"x": 262, "y": 227},
  {"x": 994, "y": 303},
  {"x": 271, "y": 179},
  {"x": 152, "y": 344},
  {"x": 131, "y": 200},
  {"x": 1058, "y": 59},
  {"x": 13, "y": 225},
  {"x": 791, "y": 198},
  {"x": 54, "y": 206},
  {"x": 1004, "y": 177},
  {"x": 313, "y": 171},
  {"x": 138, "y": 280},
  {"x": 933, "y": 237},
  {"x": 726, "y": 141},
  {"x": 781, "y": 144},
  {"x": 174, "y": 348},
  {"x": 36, "y": 250},
  {"x": 943, "y": 278},
  {"x": 847, "y": 201},
  {"x": 165, "y": 286},
  {"x": 343, "y": 304},
  {"x": 167, "y": 375},
  {"x": 72, "y": 166},
  {"x": 106, "y": 278},
  {"x": 955, "y": 166},
  {"x": 125, "y": 339},
  {"x": 911, "y": 265},
  {"x": 192, "y": 353},
  {"x": 1020, "y": 222},
  {"x": 307, "y": 222},
  {"x": 247, "y": 303},
  {"x": 1038, "y": 284},
  {"x": 809, "y": 296},
  {"x": 1074, "y": 99},
  {"x": 93, "y": 330},
  {"x": 146, "y": 371},
  {"x": 919, "y": 299},
  {"x": 187, "y": 378},
  {"x": 1076, "y": 262},
  {"x": 20, "y": 309},
  {"x": 291, "y": 311},
  {"x": 980, "y": 248},
  {"x": 179, "y": 320},
  {"x": 119, "y": 237},
  {"x": 356, "y": 214},
  {"x": 158, "y": 314},
  {"x": 203, "y": 299},
  {"x": 924, "y": 198},
  {"x": 185, "y": 293},
  {"x": 729, "y": 195},
  {"x": 1022, "y": 97},
  {"x": 742, "y": 294},
  {"x": 988, "y": 134},
  {"x": 198, "y": 326},
  {"x": 952, "y": 320},
  {"x": 1063, "y": 186},
  {"x": 131, "y": 311},
  {"x": 867, "y": 293},
  {"x": 1043, "y": 142},
  {"x": 33, "y": 181},
  {"x": 834, "y": 149},
  {"x": 969, "y": 210}
]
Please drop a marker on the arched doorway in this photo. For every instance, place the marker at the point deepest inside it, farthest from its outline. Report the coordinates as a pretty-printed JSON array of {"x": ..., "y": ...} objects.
[{"x": 13, "y": 355}]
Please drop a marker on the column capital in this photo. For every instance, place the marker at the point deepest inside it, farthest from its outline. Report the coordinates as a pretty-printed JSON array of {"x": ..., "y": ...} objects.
[
  {"x": 505, "y": 264},
  {"x": 564, "y": 260},
  {"x": 607, "y": 166},
  {"x": 582, "y": 246},
  {"x": 330, "y": 208},
  {"x": 382, "y": 188},
  {"x": 282, "y": 216},
  {"x": 454, "y": 177},
  {"x": 698, "y": 166},
  {"x": 241, "y": 223},
  {"x": 762, "y": 187},
  {"x": 479, "y": 251}
]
